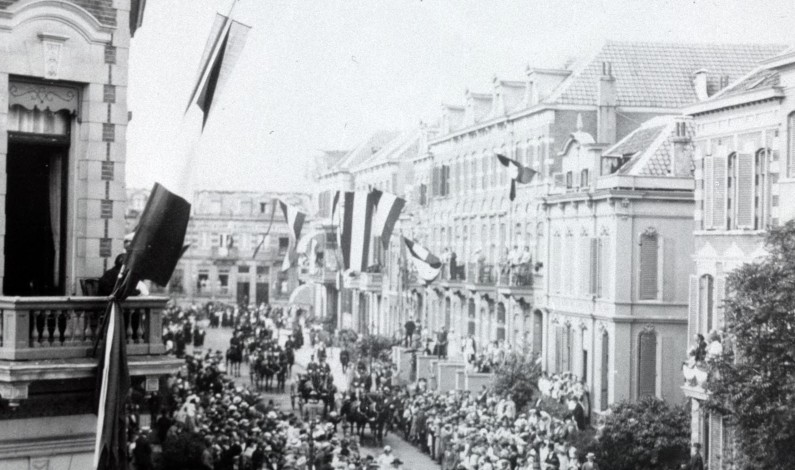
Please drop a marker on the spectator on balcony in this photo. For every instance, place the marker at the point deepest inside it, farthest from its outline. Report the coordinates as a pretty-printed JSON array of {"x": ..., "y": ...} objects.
[
  {"x": 505, "y": 266},
  {"x": 715, "y": 348},
  {"x": 698, "y": 351},
  {"x": 515, "y": 260},
  {"x": 442, "y": 343},
  {"x": 525, "y": 262},
  {"x": 453, "y": 266},
  {"x": 445, "y": 259}
]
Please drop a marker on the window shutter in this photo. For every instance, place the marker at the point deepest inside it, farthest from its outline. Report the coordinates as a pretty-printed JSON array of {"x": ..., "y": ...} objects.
[
  {"x": 709, "y": 189},
  {"x": 715, "y": 441},
  {"x": 558, "y": 348},
  {"x": 446, "y": 180},
  {"x": 647, "y": 377},
  {"x": 648, "y": 268},
  {"x": 719, "y": 194},
  {"x": 538, "y": 331},
  {"x": 555, "y": 268},
  {"x": 745, "y": 190},
  {"x": 594, "y": 266},
  {"x": 693, "y": 308},
  {"x": 603, "y": 274},
  {"x": 566, "y": 349},
  {"x": 435, "y": 182},
  {"x": 720, "y": 293},
  {"x": 586, "y": 256}
]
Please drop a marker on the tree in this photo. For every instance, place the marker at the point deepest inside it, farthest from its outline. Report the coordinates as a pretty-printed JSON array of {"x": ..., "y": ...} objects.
[
  {"x": 645, "y": 435},
  {"x": 753, "y": 382},
  {"x": 374, "y": 346},
  {"x": 518, "y": 377}
]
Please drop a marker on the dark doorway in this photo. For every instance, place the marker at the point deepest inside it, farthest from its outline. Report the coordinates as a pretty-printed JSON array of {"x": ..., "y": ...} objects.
[
  {"x": 262, "y": 293},
  {"x": 35, "y": 243},
  {"x": 242, "y": 293}
]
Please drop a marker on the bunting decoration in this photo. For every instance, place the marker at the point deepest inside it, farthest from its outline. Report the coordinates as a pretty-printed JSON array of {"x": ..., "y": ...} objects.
[
  {"x": 295, "y": 221},
  {"x": 517, "y": 172},
  {"x": 388, "y": 208},
  {"x": 355, "y": 211}
]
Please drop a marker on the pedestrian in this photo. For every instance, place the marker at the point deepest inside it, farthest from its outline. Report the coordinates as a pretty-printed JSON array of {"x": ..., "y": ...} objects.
[
  {"x": 590, "y": 463},
  {"x": 696, "y": 461},
  {"x": 410, "y": 327}
]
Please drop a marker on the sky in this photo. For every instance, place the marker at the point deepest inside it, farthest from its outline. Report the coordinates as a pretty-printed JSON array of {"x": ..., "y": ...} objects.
[{"x": 324, "y": 74}]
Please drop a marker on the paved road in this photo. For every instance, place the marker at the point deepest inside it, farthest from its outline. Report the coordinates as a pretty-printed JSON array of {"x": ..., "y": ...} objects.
[{"x": 412, "y": 458}]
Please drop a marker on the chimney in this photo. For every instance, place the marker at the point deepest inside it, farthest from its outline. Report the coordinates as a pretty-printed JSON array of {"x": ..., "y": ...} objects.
[
  {"x": 700, "y": 84},
  {"x": 606, "y": 119},
  {"x": 680, "y": 163}
]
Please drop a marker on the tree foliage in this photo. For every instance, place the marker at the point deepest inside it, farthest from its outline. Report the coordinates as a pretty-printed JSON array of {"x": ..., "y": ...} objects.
[
  {"x": 645, "y": 435},
  {"x": 374, "y": 346},
  {"x": 518, "y": 376},
  {"x": 753, "y": 382}
]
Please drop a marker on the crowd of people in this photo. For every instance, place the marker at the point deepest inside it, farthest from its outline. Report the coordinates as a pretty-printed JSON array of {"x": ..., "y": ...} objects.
[
  {"x": 464, "y": 431},
  {"x": 232, "y": 427}
]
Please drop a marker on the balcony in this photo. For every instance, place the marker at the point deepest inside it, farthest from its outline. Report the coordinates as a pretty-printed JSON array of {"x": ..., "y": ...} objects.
[
  {"x": 696, "y": 375},
  {"x": 371, "y": 281},
  {"x": 481, "y": 274},
  {"x": 222, "y": 253},
  {"x": 47, "y": 338}
]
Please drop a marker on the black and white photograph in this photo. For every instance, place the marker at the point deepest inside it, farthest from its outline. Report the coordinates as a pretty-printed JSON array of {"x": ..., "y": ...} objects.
[{"x": 397, "y": 235}]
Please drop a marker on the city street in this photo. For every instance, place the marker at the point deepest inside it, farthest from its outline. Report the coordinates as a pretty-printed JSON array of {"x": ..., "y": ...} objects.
[{"x": 218, "y": 339}]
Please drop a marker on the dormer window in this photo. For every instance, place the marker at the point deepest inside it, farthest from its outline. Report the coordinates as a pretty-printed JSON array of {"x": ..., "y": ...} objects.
[{"x": 584, "y": 183}]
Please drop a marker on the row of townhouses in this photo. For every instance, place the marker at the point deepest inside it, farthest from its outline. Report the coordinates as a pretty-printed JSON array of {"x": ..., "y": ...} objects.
[{"x": 659, "y": 167}]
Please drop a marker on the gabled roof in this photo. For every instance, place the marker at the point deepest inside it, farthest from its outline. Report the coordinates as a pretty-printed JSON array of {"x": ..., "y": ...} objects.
[
  {"x": 650, "y": 148},
  {"x": 366, "y": 149},
  {"x": 659, "y": 74},
  {"x": 402, "y": 147}
]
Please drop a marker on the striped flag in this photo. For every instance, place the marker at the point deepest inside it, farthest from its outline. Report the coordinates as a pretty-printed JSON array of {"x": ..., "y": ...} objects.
[
  {"x": 517, "y": 172},
  {"x": 113, "y": 384},
  {"x": 295, "y": 221},
  {"x": 428, "y": 265},
  {"x": 388, "y": 208},
  {"x": 223, "y": 48},
  {"x": 355, "y": 211}
]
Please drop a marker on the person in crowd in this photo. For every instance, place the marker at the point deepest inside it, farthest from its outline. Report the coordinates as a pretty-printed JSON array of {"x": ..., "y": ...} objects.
[
  {"x": 453, "y": 265},
  {"x": 696, "y": 460}
]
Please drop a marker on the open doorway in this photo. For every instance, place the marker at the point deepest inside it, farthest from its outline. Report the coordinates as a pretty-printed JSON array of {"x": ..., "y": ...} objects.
[{"x": 35, "y": 242}]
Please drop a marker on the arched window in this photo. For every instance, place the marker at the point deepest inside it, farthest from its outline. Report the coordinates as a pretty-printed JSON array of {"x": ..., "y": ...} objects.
[{"x": 647, "y": 364}]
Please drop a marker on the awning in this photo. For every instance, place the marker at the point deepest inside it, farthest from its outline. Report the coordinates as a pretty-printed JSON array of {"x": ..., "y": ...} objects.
[
  {"x": 303, "y": 295},
  {"x": 306, "y": 241}
]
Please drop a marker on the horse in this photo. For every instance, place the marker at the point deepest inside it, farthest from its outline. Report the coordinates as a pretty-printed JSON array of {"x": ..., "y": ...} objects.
[
  {"x": 266, "y": 370},
  {"x": 234, "y": 357}
]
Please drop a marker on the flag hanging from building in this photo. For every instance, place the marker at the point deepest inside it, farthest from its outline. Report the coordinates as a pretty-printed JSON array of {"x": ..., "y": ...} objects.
[
  {"x": 295, "y": 221},
  {"x": 388, "y": 208},
  {"x": 223, "y": 48},
  {"x": 428, "y": 265},
  {"x": 517, "y": 172},
  {"x": 156, "y": 247},
  {"x": 355, "y": 211},
  {"x": 113, "y": 384}
]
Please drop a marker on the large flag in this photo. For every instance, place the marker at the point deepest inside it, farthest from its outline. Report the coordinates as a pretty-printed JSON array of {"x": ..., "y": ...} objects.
[
  {"x": 388, "y": 208},
  {"x": 223, "y": 48},
  {"x": 517, "y": 172},
  {"x": 156, "y": 247},
  {"x": 113, "y": 384},
  {"x": 355, "y": 211},
  {"x": 295, "y": 221},
  {"x": 158, "y": 242},
  {"x": 428, "y": 265}
]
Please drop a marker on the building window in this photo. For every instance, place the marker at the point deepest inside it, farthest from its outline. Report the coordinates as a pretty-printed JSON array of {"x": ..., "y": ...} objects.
[
  {"x": 202, "y": 282},
  {"x": 243, "y": 269},
  {"x": 284, "y": 244},
  {"x": 563, "y": 348},
  {"x": 649, "y": 264},
  {"x": 647, "y": 364},
  {"x": 735, "y": 189},
  {"x": 569, "y": 180},
  {"x": 584, "y": 182}
]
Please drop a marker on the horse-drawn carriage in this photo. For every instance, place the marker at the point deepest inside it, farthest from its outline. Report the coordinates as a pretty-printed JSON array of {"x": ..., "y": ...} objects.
[
  {"x": 315, "y": 394},
  {"x": 374, "y": 411}
]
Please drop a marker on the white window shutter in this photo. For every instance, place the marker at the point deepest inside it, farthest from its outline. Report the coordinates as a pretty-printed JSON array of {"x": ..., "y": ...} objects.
[
  {"x": 594, "y": 266},
  {"x": 715, "y": 441},
  {"x": 720, "y": 293},
  {"x": 647, "y": 374},
  {"x": 709, "y": 190},
  {"x": 719, "y": 194},
  {"x": 693, "y": 308},
  {"x": 586, "y": 260},
  {"x": 648, "y": 279},
  {"x": 745, "y": 190}
]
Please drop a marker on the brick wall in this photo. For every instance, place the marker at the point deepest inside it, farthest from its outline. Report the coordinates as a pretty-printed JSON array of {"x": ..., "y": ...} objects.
[{"x": 101, "y": 9}]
